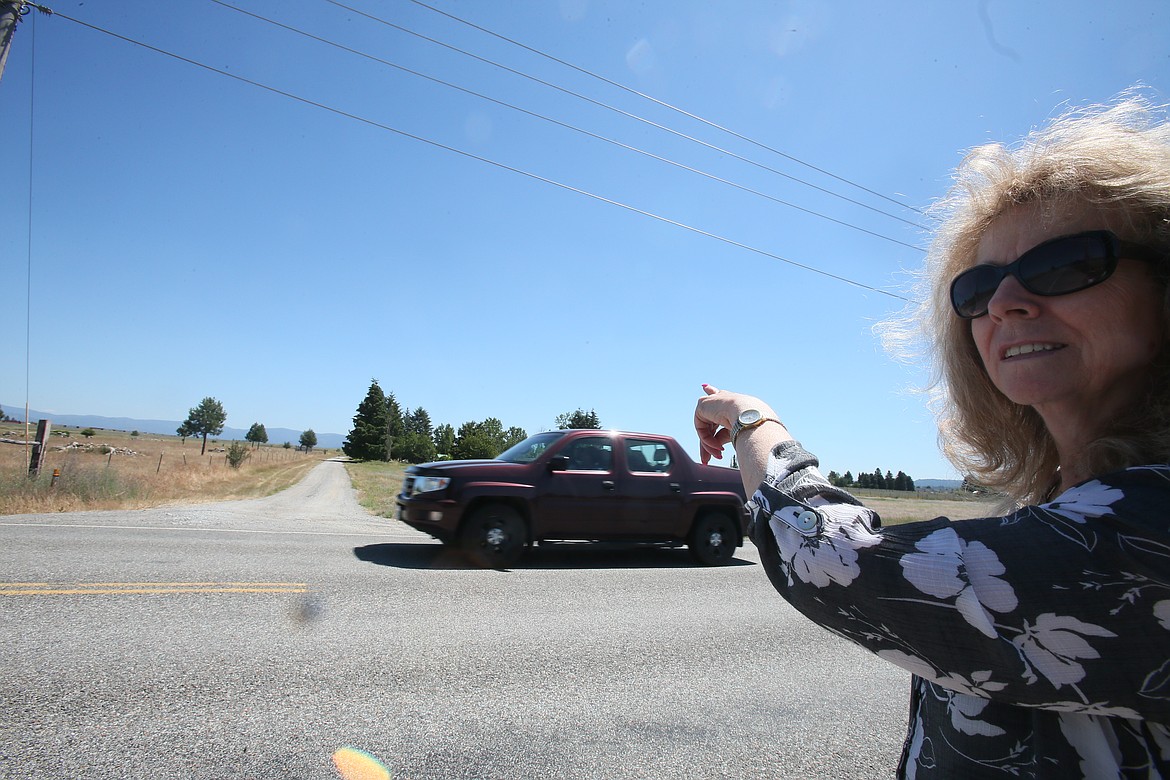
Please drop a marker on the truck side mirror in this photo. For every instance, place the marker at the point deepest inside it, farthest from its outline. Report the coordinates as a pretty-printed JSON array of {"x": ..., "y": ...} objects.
[{"x": 558, "y": 463}]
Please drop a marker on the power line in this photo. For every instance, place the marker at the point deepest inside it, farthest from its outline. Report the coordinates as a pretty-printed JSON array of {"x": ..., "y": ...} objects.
[
  {"x": 624, "y": 113},
  {"x": 559, "y": 123},
  {"x": 479, "y": 158},
  {"x": 664, "y": 104}
]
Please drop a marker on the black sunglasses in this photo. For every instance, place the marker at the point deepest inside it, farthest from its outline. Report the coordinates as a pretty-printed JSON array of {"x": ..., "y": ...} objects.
[{"x": 1057, "y": 267}]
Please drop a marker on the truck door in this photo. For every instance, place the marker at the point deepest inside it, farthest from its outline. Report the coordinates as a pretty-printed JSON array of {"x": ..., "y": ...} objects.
[
  {"x": 581, "y": 502},
  {"x": 649, "y": 482}
]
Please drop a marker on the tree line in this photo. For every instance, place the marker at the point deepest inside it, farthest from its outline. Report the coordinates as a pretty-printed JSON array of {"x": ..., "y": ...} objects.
[
  {"x": 384, "y": 430},
  {"x": 208, "y": 418},
  {"x": 876, "y": 480}
]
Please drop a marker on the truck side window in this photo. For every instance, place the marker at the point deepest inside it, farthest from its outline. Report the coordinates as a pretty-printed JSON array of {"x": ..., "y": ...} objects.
[
  {"x": 592, "y": 454},
  {"x": 647, "y": 456}
]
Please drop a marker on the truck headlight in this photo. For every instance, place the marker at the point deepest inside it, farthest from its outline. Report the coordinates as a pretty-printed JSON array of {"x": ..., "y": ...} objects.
[{"x": 429, "y": 484}]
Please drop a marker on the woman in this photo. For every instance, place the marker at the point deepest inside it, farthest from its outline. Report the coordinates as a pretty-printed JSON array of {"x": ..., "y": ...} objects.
[{"x": 1039, "y": 642}]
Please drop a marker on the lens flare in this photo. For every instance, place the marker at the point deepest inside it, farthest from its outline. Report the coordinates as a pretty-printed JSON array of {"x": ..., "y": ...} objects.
[{"x": 354, "y": 764}]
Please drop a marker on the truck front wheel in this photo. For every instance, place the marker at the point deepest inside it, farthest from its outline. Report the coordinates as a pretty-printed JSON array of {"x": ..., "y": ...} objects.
[
  {"x": 713, "y": 539},
  {"x": 494, "y": 536}
]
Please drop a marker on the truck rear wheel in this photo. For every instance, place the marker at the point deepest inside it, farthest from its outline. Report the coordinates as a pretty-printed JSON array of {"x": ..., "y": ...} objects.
[
  {"x": 494, "y": 536},
  {"x": 713, "y": 539}
]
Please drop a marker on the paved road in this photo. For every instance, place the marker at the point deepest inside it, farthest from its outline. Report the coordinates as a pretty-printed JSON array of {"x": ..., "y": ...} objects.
[{"x": 254, "y": 639}]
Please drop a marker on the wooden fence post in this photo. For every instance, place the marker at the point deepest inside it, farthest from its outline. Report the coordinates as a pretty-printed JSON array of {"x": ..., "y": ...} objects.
[{"x": 40, "y": 448}]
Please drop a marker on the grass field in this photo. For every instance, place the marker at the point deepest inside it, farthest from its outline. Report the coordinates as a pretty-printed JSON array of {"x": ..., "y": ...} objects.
[
  {"x": 376, "y": 484},
  {"x": 926, "y": 506},
  {"x": 117, "y": 470}
]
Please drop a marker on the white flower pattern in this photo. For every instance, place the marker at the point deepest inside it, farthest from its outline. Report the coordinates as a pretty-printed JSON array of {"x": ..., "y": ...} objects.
[
  {"x": 1055, "y": 645},
  {"x": 947, "y": 567},
  {"x": 1162, "y": 613},
  {"x": 823, "y": 560},
  {"x": 1038, "y": 642},
  {"x": 1089, "y": 499}
]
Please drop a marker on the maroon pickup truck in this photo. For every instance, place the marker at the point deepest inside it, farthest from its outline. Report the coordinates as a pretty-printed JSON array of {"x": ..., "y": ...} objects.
[{"x": 578, "y": 485}]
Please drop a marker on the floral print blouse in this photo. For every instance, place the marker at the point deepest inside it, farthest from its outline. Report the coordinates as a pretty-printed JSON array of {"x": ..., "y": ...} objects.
[{"x": 1039, "y": 642}]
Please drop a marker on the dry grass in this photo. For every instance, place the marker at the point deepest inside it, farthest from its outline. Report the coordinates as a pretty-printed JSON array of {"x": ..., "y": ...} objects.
[
  {"x": 377, "y": 483},
  {"x": 919, "y": 506},
  {"x": 115, "y": 470}
]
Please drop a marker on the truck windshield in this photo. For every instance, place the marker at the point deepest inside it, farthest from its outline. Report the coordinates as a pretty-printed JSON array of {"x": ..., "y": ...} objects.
[{"x": 531, "y": 448}]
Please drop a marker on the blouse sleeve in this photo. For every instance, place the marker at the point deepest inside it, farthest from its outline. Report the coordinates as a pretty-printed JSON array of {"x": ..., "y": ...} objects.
[{"x": 1062, "y": 606}]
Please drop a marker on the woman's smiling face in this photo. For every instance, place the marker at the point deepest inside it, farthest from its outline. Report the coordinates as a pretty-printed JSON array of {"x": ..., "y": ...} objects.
[{"x": 1081, "y": 358}]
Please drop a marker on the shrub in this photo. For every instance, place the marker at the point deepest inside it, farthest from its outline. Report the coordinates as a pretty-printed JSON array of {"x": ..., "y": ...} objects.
[
  {"x": 237, "y": 453},
  {"x": 88, "y": 432}
]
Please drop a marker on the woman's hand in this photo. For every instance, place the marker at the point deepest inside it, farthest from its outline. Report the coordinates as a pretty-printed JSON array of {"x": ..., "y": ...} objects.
[{"x": 715, "y": 413}]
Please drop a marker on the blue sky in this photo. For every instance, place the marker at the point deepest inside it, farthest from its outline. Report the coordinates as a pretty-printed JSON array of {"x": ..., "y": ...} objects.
[{"x": 189, "y": 234}]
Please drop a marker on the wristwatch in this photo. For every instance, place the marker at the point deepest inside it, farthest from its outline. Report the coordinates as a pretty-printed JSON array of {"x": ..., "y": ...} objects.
[{"x": 749, "y": 418}]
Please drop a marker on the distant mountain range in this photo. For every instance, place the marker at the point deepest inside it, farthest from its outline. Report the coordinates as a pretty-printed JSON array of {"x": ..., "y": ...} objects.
[
  {"x": 938, "y": 484},
  {"x": 278, "y": 436}
]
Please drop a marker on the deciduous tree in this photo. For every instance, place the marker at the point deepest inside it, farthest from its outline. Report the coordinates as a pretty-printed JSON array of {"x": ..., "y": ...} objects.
[
  {"x": 444, "y": 437},
  {"x": 474, "y": 446},
  {"x": 308, "y": 440},
  {"x": 416, "y": 448},
  {"x": 578, "y": 419},
  {"x": 485, "y": 439},
  {"x": 513, "y": 436}
]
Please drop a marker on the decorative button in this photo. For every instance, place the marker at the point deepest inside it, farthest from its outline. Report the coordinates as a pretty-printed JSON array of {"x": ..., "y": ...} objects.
[{"x": 806, "y": 521}]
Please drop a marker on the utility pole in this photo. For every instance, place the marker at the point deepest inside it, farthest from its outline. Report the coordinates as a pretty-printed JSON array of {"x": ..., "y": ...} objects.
[{"x": 11, "y": 12}]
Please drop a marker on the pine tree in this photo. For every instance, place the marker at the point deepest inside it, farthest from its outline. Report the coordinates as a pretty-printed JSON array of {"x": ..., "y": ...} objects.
[
  {"x": 204, "y": 420},
  {"x": 367, "y": 439},
  {"x": 395, "y": 422},
  {"x": 257, "y": 435},
  {"x": 419, "y": 422}
]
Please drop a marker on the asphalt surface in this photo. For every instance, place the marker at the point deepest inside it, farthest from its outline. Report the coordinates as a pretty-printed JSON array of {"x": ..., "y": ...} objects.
[{"x": 255, "y": 639}]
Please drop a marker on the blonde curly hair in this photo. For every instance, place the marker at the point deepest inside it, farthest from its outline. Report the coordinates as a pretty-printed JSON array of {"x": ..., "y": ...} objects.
[{"x": 1115, "y": 157}]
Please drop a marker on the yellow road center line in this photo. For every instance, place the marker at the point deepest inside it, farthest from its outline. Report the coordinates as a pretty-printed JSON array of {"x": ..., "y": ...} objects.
[
  {"x": 185, "y": 584},
  {"x": 140, "y": 591},
  {"x": 118, "y": 588}
]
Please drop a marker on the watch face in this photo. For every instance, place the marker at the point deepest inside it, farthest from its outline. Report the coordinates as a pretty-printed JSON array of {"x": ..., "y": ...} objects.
[{"x": 749, "y": 416}]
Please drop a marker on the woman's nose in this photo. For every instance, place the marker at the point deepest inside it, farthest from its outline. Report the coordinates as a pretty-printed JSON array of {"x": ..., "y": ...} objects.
[{"x": 1011, "y": 298}]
